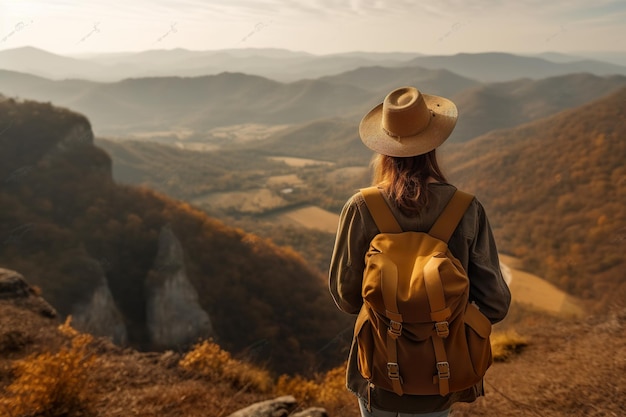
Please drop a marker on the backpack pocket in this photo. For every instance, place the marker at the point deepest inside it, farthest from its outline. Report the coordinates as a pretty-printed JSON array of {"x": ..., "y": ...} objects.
[
  {"x": 365, "y": 343},
  {"x": 478, "y": 329}
]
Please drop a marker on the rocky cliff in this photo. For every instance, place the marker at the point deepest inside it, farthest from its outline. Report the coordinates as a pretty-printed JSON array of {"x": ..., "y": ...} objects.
[
  {"x": 99, "y": 314},
  {"x": 174, "y": 315}
]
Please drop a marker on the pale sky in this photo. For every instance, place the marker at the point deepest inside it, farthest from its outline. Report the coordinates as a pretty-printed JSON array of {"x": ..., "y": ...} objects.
[{"x": 316, "y": 26}]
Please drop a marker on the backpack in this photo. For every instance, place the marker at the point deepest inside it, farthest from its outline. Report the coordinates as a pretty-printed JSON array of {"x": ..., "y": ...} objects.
[{"x": 417, "y": 333}]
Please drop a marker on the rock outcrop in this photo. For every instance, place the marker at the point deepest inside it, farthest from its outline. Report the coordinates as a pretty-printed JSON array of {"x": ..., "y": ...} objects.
[
  {"x": 13, "y": 286},
  {"x": 279, "y": 407},
  {"x": 99, "y": 315},
  {"x": 174, "y": 316},
  {"x": 79, "y": 135}
]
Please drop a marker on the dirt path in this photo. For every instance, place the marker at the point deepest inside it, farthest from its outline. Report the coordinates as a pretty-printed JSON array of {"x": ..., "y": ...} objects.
[{"x": 573, "y": 368}]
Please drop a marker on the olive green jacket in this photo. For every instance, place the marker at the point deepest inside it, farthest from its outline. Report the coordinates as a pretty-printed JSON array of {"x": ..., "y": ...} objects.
[{"x": 472, "y": 243}]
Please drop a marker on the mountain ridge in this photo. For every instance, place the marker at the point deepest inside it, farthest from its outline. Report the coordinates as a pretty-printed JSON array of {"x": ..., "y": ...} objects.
[
  {"x": 500, "y": 66},
  {"x": 289, "y": 66}
]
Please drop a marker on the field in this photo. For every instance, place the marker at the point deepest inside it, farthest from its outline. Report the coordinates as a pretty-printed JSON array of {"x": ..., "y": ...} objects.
[
  {"x": 247, "y": 132},
  {"x": 537, "y": 293},
  {"x": 299, "y": 162},
  {"x": 250, "y": 202},
  {"x": 311, "y": 217}
]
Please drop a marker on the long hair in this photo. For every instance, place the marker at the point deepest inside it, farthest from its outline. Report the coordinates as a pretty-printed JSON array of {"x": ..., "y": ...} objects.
[{"x": 406, "y": 178}]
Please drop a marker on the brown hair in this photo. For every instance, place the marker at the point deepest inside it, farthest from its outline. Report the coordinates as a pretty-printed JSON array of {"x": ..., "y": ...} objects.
[{"x": 406, "y": 178}]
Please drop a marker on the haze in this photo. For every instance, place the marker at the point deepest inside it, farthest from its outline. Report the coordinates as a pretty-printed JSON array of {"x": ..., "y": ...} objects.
[{"x": 315, "y": 26}]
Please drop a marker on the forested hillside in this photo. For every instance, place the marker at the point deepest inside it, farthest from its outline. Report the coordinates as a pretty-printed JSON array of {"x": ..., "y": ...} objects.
[
  {"x": 556, "y": 191},
  {"x": 62, "y": 219},
  {"x": 507, "y": 104}
]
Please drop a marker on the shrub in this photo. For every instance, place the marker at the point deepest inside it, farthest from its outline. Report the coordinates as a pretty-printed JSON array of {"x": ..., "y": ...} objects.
[
  {"x": 504, "y": 345},
  {"x": 327, "y": 390},
  {"x": 52, "y": 384},
  {"x": 208, "y": 359}
]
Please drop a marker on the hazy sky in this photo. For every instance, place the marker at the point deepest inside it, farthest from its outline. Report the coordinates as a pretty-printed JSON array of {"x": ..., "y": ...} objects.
[{"x": 316, "y": 26}]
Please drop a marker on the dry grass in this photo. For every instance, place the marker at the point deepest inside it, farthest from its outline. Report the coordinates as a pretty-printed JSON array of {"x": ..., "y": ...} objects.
[
  {"x": 539, "y": 294},
  {"x": 313, "y": 217},
  {"x": 208, "y": 359},
  {"x": 327, "y": 390},
  {"x": 249, "y": 201},
  {"x": 505, "y": 345},
  {"x": 299, "y": 162},
  {"x": 53, "y": 384}
]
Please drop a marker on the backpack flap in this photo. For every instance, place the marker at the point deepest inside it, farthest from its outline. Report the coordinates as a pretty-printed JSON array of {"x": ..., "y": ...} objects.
[{"x": 398, "y": 254}]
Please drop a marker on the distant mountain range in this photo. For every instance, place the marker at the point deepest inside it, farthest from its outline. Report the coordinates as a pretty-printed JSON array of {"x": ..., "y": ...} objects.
[
  {"x": 200, "y": 103},
  {"x": 165, "y": 106},
  {"x": 495, "y": 66},
  {"x": 503, "y": 105},
  {"x": 281, "y": 65},
  {"x": 288, "y": 66}
]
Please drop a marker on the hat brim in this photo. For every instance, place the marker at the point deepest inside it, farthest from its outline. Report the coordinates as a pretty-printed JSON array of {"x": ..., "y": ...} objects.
[{"x": 441, "y": 125}]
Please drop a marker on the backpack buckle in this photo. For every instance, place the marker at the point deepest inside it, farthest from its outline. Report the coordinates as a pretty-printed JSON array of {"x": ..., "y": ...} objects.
[
  {"x": 442, "y": 329},
  {"x": 395, "y": 329},
  {"x": 443, "y": 370},
  {"x": 393, "y": 370}
]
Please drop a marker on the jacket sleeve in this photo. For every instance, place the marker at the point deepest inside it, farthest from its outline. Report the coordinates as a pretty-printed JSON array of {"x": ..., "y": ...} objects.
[
  {"x": 348, "y": 259},
  {"x": 487, "y": 286}
]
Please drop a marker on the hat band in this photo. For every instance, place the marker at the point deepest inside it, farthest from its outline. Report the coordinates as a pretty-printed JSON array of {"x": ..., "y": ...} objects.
[{"x": 391, "y": 134}]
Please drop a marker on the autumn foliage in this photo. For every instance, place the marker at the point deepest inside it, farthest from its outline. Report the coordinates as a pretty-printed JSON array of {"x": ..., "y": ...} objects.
[
  {"x": 53, "y": 384},
  {"x": 217, "y": 365},
  {"x": 555, "y": 191}
]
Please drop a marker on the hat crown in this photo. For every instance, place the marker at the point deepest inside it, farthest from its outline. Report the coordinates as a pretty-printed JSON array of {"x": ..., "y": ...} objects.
[
  {"x": 408, "y": 123},
  {"x": 405, "y": 113}
]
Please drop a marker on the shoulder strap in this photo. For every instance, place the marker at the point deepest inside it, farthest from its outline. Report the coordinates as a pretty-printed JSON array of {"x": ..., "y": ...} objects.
[
  {"x": 451, "y": 215},
  {"x": 380, "y": 211}
]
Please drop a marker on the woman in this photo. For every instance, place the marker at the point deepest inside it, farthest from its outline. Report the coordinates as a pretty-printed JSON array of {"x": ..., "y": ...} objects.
[{"x": 405, "y": 131}]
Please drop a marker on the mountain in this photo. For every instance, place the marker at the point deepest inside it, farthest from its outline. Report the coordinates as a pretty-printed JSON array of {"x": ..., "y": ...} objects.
[
  {"x": 332, "y": 139},
  {"x": 277, "y": 64},
  {"x": 381, "y": 80},
  {"x": 175, "y": 108},
  {"x": 141, "y": 268},
  {"x": 496, "y": 66},
  {"x": 201, "y": 103},
  {"x": 289, "y": 66},
  {"x": 502, "y": 105},
  {"x": 46, "y": 64},
  {"x": 555, "y": 190},
  {"x": 557, "y": 57},
  {"x": 616, "y": 57}
]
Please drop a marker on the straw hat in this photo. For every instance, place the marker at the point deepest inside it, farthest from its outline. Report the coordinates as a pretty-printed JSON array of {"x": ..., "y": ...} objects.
[{"x": 408, "y": 123}]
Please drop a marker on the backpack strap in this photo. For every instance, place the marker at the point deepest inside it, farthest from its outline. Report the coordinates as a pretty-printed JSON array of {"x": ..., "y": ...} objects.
[
  {"x": 379, "y": 209},
  {"x": 451, "y": 215}
]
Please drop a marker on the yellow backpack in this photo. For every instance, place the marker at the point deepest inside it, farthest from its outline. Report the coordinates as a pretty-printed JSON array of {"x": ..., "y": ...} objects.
[{"x": 417, "y": 333}]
